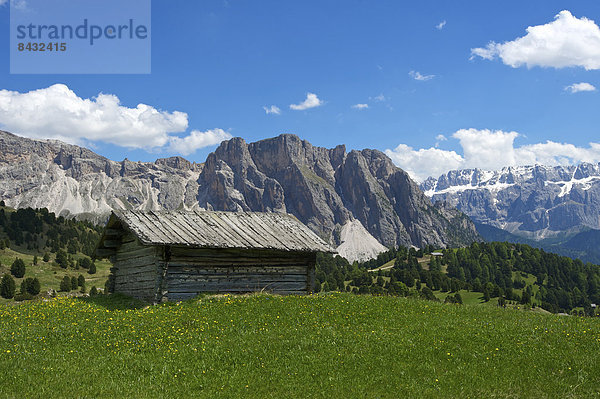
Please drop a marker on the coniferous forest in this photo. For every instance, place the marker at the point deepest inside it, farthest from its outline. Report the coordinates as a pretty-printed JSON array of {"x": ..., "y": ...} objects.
[{"x": 502, "y": 272}]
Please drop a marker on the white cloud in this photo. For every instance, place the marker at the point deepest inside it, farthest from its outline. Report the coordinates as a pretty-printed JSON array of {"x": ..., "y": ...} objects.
[
  {"x": 441, "y": 137},
  {"x": 488, "y": 150},
  {"x": 441, "y": 25},
  {"x": 565, "y": 42},
  {"x": 577, "y": 87},
  {"x": 58, "y": 113},
  {"x": 379, "y": 98},
  {"x": 422, "y": 163},
  {"x": 311, "y": 101},
  {"x": 196, "y": 140},
  {"x": 494, "y": 149},
  {"x": 417, "y": 76},
  {"x": 360, "y": 106},
  {"x": 273, "y": 109}
]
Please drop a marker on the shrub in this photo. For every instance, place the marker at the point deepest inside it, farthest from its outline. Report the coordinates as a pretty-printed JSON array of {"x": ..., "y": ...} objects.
[
  {"x": 7, "y": 286},
  {"x": 35, "y": 259},
  {"x": 317, "y": 287},
  {"x": 23, "y": 296},
  {"x": 426, "y": 293},
  {"x": 458, "y": 298},
  {"x": 18, "y": 268}
]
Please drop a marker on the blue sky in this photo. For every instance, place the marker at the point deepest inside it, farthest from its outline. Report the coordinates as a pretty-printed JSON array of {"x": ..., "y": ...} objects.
[{"x": 222, "y": 62}]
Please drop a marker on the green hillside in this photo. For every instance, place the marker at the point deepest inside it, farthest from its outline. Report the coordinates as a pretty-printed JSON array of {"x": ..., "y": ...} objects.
[
  {"x": 496, "y": 273},
  {"x": 51, "y": 249},
  {"x": 324, "y": 346}
]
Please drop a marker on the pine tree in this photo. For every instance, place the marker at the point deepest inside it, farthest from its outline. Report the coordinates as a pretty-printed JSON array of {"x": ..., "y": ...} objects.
[
  {"x": 35, "y": 287},
  {"x": 61, "y": 258},
  {"x": 74, "y": 284},
  {"x": 72, "y": 247},
  {"x": 7, "y": 286},
  {"x": 35, "y": 259},
  {"x": 80, "y": 281},
  {"x": 18, "y": 268},
  {"x": 94, "y": 291},
  {"x": 46, "y": 257},
  {"x": 30, "y": 286},
  {"x": 65, "y": 284},
  {"x": 92, "y": 269}
]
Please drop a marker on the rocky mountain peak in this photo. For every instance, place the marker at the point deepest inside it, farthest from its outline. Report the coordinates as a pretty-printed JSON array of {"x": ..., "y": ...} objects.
[
  {"x": 534, "y": 201},
  {"x": 346, "y": 198}
]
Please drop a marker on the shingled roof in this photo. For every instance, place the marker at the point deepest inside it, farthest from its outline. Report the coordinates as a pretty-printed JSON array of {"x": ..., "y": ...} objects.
[{"x": 208, "y": 229}]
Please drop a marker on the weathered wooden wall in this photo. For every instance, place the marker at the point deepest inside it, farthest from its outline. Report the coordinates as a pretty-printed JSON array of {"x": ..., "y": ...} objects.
[
  {"x": 193, "y": 271},
  {"x": 136, "y": 269},
  {"x": 158, "y": 273}
]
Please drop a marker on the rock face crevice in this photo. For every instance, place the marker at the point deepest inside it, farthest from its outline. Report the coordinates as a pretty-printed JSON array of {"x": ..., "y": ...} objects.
[{"x": 326, "y": 189}]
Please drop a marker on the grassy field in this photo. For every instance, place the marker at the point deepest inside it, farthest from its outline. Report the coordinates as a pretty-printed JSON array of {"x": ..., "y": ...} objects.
[
  {"x": 50, "y": 274},
  {"x": 324, "y": 346}
]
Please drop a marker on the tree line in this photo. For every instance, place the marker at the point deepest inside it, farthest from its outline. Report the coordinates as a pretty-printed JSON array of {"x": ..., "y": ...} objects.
[{"x": 497, "y": 270}]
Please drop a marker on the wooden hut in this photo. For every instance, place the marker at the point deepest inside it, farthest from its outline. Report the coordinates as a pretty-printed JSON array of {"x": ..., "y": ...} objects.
[{"x": 171, "y": 256}]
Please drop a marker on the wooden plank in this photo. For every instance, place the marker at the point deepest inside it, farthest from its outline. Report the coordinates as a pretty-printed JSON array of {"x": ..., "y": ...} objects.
[
  {"x": 149, "y": 270},
  {"x": 226, "y": 252},
  {"x": 135, "y": 279},
  {"x": 186, "y": 296},
  {"x": 141, "y": 252},
  {"x": 128, "y": 237},
  {"x": 201, "y": 269},
  {"x": 130, "y": 246},
  {"x": 245, "y": 239},
  {"x": 237, "y": 279},
  {"x": 234, "y": 274},
  {"x": 111, "y": 243},
  {"x": 135, "y": 267},
  {"x": 114, "y": 232},
  {"x": 240, "y": 257},
  {"x": 164, "y": 227},
  {"x": 203, "y": 286}
]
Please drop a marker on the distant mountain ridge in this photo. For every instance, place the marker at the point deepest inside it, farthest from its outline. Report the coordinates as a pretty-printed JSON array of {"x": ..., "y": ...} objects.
[
  {"x": 534, "y": 202},
  {"x": 584, "y": 245},
  {"x": 346, "y": 198}
]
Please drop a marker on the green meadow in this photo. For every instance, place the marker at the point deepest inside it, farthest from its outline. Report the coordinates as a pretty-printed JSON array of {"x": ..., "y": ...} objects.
[{"x": 322, "y": 346}]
